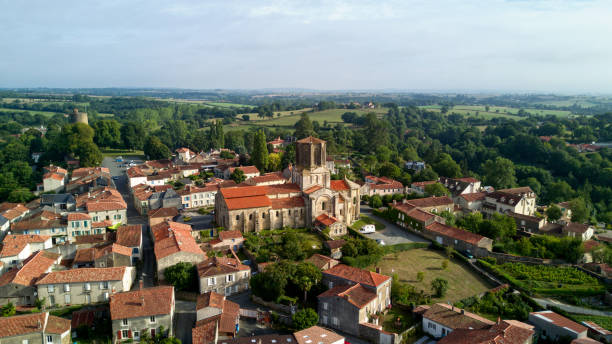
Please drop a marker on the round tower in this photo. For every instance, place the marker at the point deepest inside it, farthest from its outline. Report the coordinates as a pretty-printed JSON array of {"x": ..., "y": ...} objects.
[{"x": 79, "y": 117}]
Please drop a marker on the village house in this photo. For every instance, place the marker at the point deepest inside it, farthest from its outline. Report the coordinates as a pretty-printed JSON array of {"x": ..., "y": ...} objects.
[
  {"x": 215, "y": 308},
  {"x": 311, "y": 335},
  {"x": 553, "y": 326},
  {"x": 517, "y": 200},
  {"x": 419, "y": 187},
  {"x": 322, "y": 262},
  {"x": 459, "y": 239},
  {"x": 106, "y": 256},
  {"x": 597, "y": 332},
  {"x": 84, "y": 286},
  {"x": 335, "y": 227},
  {"x": 104, "y": 204},
  {"x": 441, "y": 319},
  {"x": 35, "y": 328},
  {"x": 504, "y": 331},
  {"x": 470, "y": 202},
  {"x": 413, "y": 217},
  {"x": 461, "y": 186},
  {"x": 89, "y": 179},
  {"x": 580, "y": 231},
  {"x": 224, "y": 276},
  {"x": 135, "y": 176},
  {"x": 60, "y": 202},
  {"x": 381, "y": 186},
  {"x": 249, "y": 171},
  {"x": 16, "y": 248},
  {"x": 310, "y": 194},
  {"x": 227, "y": 240},
  {"x": 160, "y": 215},
  {"x": 44, "y": 223},
  {"x": 147, "y": 310},
  {"x": 272, "y": 178},
  {"x": 185, "y": 154},
  {"x": 18, "y": 285},
  {"x": 197, "y": 197},
  {"x": 130, "y": 236},
  {"x": 148, "y": 198},
  {"x": 335, "y": 247},
  {"x": 11, "y": 213},
  {"x": 54, "y": 179},
  {"x": 173, "y": 243},
  {"x": 528, "y": 223}
]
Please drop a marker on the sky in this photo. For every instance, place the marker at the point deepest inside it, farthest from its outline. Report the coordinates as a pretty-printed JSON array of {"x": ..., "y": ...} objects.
[{"x": 413, "y": 45}]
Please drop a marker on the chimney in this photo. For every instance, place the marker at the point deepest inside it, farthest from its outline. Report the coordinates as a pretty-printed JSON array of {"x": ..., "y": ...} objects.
[
  {"x": 463, "y": 311},
  {"x": 141, "y": 284},
  {"x": 38, "y": 324},
  {"x": 498, "y": 320},
  {"x": 142, "y": 300},
  {"x": 377, "y": 270}
]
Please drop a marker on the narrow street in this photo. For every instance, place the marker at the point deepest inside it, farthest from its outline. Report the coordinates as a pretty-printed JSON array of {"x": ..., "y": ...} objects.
[{"x": 570, "y": 308}]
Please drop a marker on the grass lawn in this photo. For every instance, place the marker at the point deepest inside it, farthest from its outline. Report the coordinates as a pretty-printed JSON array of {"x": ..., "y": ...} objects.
[
  {"x": 462, "y": 281},
  {"x": 389, "y": 320},
  {"x": 496, "y": 111},
  {"x": 32, "y": 112},
  {"x": 223, "y": 104},
  {"x": 366, "y": 220},
  {"x": 115, "y": 152}
]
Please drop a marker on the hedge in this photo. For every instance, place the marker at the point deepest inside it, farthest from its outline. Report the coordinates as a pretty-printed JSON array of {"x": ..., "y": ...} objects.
[{"x": 405, "y": 247}]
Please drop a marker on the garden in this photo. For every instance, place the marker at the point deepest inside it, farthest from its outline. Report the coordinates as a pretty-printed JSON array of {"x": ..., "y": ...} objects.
[{"x": 292, "y": 244}]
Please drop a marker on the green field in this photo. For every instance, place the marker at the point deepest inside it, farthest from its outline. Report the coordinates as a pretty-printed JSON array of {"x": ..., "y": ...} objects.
[
  {"x": 495, "y": 111},
  {"x": 462, "y": 282},
  {"x": 228, "y": 105},
  {"x": 123, "y": 152},
  {"x": 32, "y": 112},
  {"x": 288, "y": 120}
]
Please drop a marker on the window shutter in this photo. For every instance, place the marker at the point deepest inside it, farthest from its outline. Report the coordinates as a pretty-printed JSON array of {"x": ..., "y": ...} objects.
[
  {"x": 129, "y": 333},
  {"x": 119, "y": 334}
]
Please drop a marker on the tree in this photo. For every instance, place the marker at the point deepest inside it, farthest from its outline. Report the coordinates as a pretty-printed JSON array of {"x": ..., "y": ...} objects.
[
  {"x": 580, "y": 212},
  {"x": 288, "y": 156},
  {"x": 260, "y": 151},
  {"x": 183, "y": 276},
  {"x": 389, "y": 169},
  {"x": 89, "y": 154},
  {"x": 420, "y": 276},
  {"x": 499, "y": 173},
  {"x": 133, "y": 135},
  {"x": 274, "y": 162},
  {"x": 238, "y": 176},
  {"x": 553, "y": 213},
  {"x": 376, "y": 202},
  {"x": 439, "y": 286},
  {"x": 155, "y": 149},
  {"x": 304, "y": 127},
  {"x": 559, "y": 192},
  {"x": 9, "y": 310},
  {"x": 444, "y": 264},
  {"x": 304, "y": 318},
  {"x": 447, "y": 167},
  {"x": 306, "y": 276},
  {"x": 107, "y": 133},
  {"x": 270, "y": 284},
  {"x": 436, "y": 189}
]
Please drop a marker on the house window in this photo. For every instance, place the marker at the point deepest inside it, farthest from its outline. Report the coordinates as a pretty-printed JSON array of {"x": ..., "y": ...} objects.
[
  {"x": 237, "y": 217},
  {"x": 289, "y": 211},
  {"x": 277, "y": 213},
  {"x": 212, "y": 281},
  {"x": 137, "y": 335},
  {"x": 50, "y": 288},
  {"x": 263, "y": 215},
  {"x": 87, "y": 287},
  {"x": 95, "y": 219},
  {"x": 85, "y": 224},
  {"x": 230, "y": 278},
  {"x": 124, "y": 322},
  {"x": 324, "y": 320},
  {"x": 250, "y": 216},
  {"x": 67, "y": 299},
  {"x": 152, "y": 319},
  {"x": 325, "y": 305},
  {"x": 49, "y": 339},
  {"x": 104, "y": 285},
  {"x": 335, "y": 321},
  {"x": 105, "y": 296},
  {"x": 125, "y": 334},
  {"x": 135, "y": 250},
  {"x": 66, "y": 288}
]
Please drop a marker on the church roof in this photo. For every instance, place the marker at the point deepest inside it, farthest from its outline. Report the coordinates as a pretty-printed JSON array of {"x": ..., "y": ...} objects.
[{"x": 310, "y": 139}]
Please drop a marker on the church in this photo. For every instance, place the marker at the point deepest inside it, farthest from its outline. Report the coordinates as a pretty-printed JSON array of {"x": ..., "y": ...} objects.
[{"x": 310, "y": 199}]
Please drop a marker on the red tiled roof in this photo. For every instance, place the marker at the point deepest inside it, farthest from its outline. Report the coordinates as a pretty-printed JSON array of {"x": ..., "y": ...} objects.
[
  {"x": 282, "y": 189},
  {"x": 248, "y": 202},
  {"x": 84, "y": 275},
  {"x": 220, "y": 265},
  {"x": 597, "y": 328},
  {"x": 326, "y": 220},
  {"x": 163, "y": 212},
  {"x": 157, "y": 301},
  {"x": 204, "y": 333},
  {"x": 559, "y": 320},
  {"x": 422, "y": 184},
  {"x": 446, "y": 316},
  {"x": 320, "y": 260},
  {"x": 13, "y": 244},
  {"x": 135, "y": 172},
  {"x": 85, "y": 255},
  {"x": 225, "y": 235},
  {"x": 357, "y": 275},
  {"x": 476, "y": 196},
  {"x": 247, "y": 191},
  {"x": 114, "y": 248},
  {"x": 276, "y": 141},
  {"x": 576, "y": 228},
  {"x": 102, "y": 224},
  {"x": 356, "y": 294},
  {"x": 19, "y": 325},
  {"x": 268, "y": 177},
  {"x": 338, "y": 185},
  {"x": 33, "y": 268},
  {"x": 78, "y": 217},
  {"x": 430, "y": 201},
  {"x": 171, "y": 238},
  {"x": 53, "y": 176},
  {"x": 245, "y": 169},
  {"x": 313, "y": 189},
  {"x": 105, "y": 206},
  {"x": 505, "y": 332},
  {"x": 129, "y": 235},
  {"x": 11, "y": 211},
  {"x": 332, "y": 244},
  {"x": 316, "y": 334},
  {"x": 289, "y": 202},
  {"x": 455, "y": 233},
  {"x": 585, "y": 340}
]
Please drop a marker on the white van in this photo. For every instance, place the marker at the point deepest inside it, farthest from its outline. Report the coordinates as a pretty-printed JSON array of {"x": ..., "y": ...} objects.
[{"x": 367, "y": 229}]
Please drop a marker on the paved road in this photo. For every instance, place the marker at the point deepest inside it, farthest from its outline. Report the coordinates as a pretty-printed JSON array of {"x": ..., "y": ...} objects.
[
  {"x": 148, "y": 259},
  {"x": 197, "y": 222},
  {"x": 185, "y": 318},
  {"x": 570, "y": 308},
  {"x": 392, "y": 234}
]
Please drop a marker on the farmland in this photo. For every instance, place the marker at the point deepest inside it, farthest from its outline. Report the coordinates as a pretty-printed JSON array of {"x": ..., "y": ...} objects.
[
  {"x": 32, "y": 112},
  {"x": 462, "y": 282},
  {"x": 495, "y": 111}
]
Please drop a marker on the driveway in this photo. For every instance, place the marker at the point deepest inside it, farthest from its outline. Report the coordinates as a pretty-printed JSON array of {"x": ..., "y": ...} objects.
[
  {"x": 197, "y": 222},
  {"x": 392, "y": 234},
  {"x": 185, "y": 319}
]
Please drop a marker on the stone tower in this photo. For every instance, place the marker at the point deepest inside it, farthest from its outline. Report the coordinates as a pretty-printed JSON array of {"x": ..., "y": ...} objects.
[
  {"x": 310, "y": 167},
  {"x": 79, "y": 117}
]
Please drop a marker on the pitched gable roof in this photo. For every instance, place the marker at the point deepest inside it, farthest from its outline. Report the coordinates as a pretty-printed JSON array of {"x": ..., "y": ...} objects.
[
  {"x": 142, "y": 303},
  {"x": 356, "y": 294},
  {"x": 33, "y": 268},
  {"x": 84, "y": 275},
  {"x": 455, "y": 233},
  {"x": 357, "y": 275},
  {"x": 15, "y": 243},
  {"x": 19, "y": 325},
  {"x": 220, "y": 265},
  {"x": 453, "y": 317},
  {"x": 559, "y": 320},
  {"x": 129, "y": 235}
]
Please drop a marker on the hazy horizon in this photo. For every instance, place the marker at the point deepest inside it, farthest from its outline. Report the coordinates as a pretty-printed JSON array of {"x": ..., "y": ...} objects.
[{"x": 515, "y": 46}]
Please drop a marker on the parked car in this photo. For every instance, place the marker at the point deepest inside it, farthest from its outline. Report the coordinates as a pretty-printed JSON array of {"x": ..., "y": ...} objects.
[
  {"x": 367, "y": 229},
  {"x": 119, "y": 159},
  {"x": 380, "y": 242},
  {"x": 116, "y": 178},
  {"x": 467, "y": 254}
]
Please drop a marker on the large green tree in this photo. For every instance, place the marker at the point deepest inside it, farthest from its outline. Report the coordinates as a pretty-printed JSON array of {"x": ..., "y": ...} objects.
[
  {"x": 304, "y": 127},
  {"x": 155, "y": 149},
  {"x": 133, "y": 135},
  {"x": 304, "y": 318},
  {"x": 499, "y": 173},
  {"x": 183, "y": 276},
  {"x": 107, "y": 133},
  {"x": 259, "y": 156}
]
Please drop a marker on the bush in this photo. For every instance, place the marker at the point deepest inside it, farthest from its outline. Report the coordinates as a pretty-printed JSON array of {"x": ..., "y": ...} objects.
[
  {"x": 305, "y": 318},
  {"x": 183, "y": 276},
  {"x": 202, "y": 211},
  {"x": 186, "y": 218},
  {"x": 439, "y": 286}
]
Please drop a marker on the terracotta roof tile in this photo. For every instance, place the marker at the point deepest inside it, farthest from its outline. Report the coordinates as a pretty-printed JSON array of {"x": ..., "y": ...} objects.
[
  {"x": 129, "y": 235},
  {"x": 289, "y": 202},
  {"x": 472, "y": 197},
  {"x": 78, "y": 217},
  {"x": 220, "y": 265},
  {"x": 84, "y": 275},
  {"x": 357, "y": 275},
  {"x": 326, "y": 220},
  {"x": 204, "y": 333},
  {"x": 225, "y": 235},
  {"x": 559, "y": 320},
  {"x": 320, "y": 260},
  {"x": 339, "y": 185},
  {"x": 356, "y": 294},
  {"x": 446, "y": 316},
  {"x": 333, "y": 244},
  {"x": 55, "y": 176},
  {"x": 15, "y": 243},
  {"x": 33, "y": 268},
  {"x": 455, "y": 233},
  {"x": 430, "y": 201},
  {"x": 173, "y": 237},
  {"x": 163, "y": 212},
  {"x": 319, "y": 335},
  {"x": 313, "y": 189},
  {"x": 310, "y": 139},
  {"x": 29, "y": 323},
  {"x": 245, "y": 169},
  {"x": 157, "y": 301},
  {"x": 505, "y": 332},
  {"x": 248, "y": 202}
]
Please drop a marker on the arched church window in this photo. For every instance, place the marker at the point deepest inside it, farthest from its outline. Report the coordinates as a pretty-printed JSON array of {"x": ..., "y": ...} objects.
[{"x": 250, "y": 216}]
